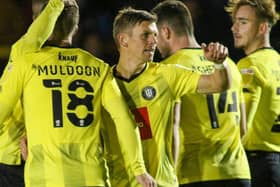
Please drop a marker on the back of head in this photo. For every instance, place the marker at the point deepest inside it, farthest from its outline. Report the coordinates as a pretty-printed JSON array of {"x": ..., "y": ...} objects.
[
  {"x": 127, "y": 18},
  {"x": 67, "y": 22},
  {"x": 175, "y": 14},
  {"x": 37, "y": 7},
  {"x": 265, "y": 9}
]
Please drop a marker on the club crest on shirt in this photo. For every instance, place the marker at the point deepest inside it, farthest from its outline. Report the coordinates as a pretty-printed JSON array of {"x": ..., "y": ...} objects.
[{"x": 149, "y": 93}]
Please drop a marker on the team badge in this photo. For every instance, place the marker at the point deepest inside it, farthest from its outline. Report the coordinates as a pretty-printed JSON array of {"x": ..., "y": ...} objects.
[{"x": 149, "y": 93}]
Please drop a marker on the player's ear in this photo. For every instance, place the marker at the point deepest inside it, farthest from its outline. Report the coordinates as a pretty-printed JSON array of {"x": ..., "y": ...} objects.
[
  {"x": 165, "y": 31},
  {"x": 263, "y": 27},
  {"x": 75, "y": 31},
  {"x": 123, "y": 39}
]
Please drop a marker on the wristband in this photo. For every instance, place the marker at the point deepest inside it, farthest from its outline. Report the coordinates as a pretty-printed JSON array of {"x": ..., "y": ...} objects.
[{"x": 219, "y": 66}]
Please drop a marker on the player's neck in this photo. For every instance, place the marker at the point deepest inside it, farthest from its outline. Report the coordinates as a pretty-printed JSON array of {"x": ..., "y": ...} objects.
[
  {"x": 60, "y": 43},
  {"x": 184, "y": 42},
  {"x": 65, "y": 43},
  {"x": 192, "y": 43},
  {"x": 257, "y": 44},
  {"x": 128, "y": 70}
]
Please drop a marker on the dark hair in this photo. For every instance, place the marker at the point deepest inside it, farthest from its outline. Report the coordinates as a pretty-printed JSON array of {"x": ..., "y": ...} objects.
[
  {"x": 175, "y": 14},
  {"x": 67, "y": 21},
  {"x": 127, "y": 18},
  {"x": 41, "y": 4}
]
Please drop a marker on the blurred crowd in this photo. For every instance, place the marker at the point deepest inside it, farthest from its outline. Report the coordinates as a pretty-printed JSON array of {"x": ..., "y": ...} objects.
[{"x": 211, "y": 23}]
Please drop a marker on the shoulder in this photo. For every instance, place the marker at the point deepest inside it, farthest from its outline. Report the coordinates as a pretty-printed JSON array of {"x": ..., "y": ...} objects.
[
  {"x": 91, "y": 57},
  {"x": 165, "y": 67},
  {"x": 232, "y": 65},
  {"x": 182, "y": 56}
]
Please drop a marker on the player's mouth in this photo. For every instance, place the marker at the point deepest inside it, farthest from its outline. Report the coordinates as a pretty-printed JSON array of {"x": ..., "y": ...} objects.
[
  {"x": 237, "y": 36},
  {"x": 149, "y": 51}
]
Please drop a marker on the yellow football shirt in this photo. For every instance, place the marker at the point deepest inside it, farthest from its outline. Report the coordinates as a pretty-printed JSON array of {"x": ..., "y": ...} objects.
[
  {"x": 263, "y": 102},
  {"x": 150, "y": 96},
  {"x": 35, "y": 37},
  {"x": 210, "y": 147},
  {"x": 63, "y": 92}
]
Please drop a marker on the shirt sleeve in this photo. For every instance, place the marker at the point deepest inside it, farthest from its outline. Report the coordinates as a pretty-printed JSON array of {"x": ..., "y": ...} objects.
[
  {"x": 182, "y": 80},
  {"x": 10, "y": 89},
  {"x": 126, "y": 128},
  {"x": 251, "y": 92},
  {"x": 39, "y": 31}
]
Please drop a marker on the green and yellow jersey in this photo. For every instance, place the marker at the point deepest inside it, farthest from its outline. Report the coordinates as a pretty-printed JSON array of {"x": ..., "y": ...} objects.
[
  {"x": 210, "y": 145},
  {"x": 263, "y": 102},
  {"x": 37, "y": 34},
  {"x": 150, "y": 96},
  {"x": 63, "y": 92}
]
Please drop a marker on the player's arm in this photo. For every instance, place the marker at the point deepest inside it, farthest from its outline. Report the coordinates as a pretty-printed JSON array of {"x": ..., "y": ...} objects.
[
  {"x": 243, "y": 124},
  {"x": 40, "y": 30},
  {"x": 176, "y": 134},
  {"x": 252, "y": 101},
  {"x": 252, "y": 90},
  {"x": 127, "y": 131},
  {"x": 243, "y": 117},
  {"x": 10, "y": 89},
  {"x": 220, "y": 80},
  {"x": 23, "y": 148},
  {"x": 258, "y": 78}
]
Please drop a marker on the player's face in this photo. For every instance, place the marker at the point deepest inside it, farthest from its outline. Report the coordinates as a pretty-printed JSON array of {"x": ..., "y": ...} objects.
[
  {"x": 143, "y": 40},
  {"x": 245, "y": 28}
]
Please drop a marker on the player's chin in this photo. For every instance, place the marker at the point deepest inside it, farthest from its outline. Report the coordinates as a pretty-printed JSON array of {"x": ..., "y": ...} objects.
[
  {"x": 149, "y": 56},
  {"x": 238, "y": 44}
]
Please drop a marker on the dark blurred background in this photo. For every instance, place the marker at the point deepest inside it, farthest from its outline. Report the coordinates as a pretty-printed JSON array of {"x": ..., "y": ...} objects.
[{"x": 211, "y": 22}]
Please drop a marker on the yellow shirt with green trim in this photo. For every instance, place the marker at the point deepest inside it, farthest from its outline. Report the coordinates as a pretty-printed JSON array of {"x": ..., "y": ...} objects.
[
  {"x": 63, "y": 93},
  {"x": 263, "y": 102},
  {"x": 210, "y": 144},
  {"x": 150, "y": 96},
  {"x": 37, "y": 34}
]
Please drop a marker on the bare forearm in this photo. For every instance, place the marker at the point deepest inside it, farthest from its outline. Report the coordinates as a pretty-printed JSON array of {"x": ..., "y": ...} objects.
[{"x": 219, "y": 81}]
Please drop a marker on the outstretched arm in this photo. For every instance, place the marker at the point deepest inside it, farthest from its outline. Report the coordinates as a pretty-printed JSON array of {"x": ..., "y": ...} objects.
[
  {"x": 220, "y": 80},
  {"x": 39, "y": 31}
]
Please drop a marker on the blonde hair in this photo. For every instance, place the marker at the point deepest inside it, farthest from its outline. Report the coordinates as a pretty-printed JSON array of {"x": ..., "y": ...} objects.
[
  {"x": 127, "y": 18},
  {"x": 265, "y": 9}
]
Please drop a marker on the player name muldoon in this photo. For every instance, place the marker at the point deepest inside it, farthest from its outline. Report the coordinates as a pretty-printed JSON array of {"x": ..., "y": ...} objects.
[{"x": 68, "y": 70}]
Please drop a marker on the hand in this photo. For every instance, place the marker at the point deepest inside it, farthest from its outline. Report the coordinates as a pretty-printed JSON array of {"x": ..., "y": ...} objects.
[
  {"x": 215, "y": 52},
  {"x": 23, "y": 148},
  {"x": 146, "y": 180},
  {"x": 70, "y": 3}
]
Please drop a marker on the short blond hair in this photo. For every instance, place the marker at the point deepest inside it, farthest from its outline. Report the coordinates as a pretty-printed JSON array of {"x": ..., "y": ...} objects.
[{"x": 127, "y": 18}]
